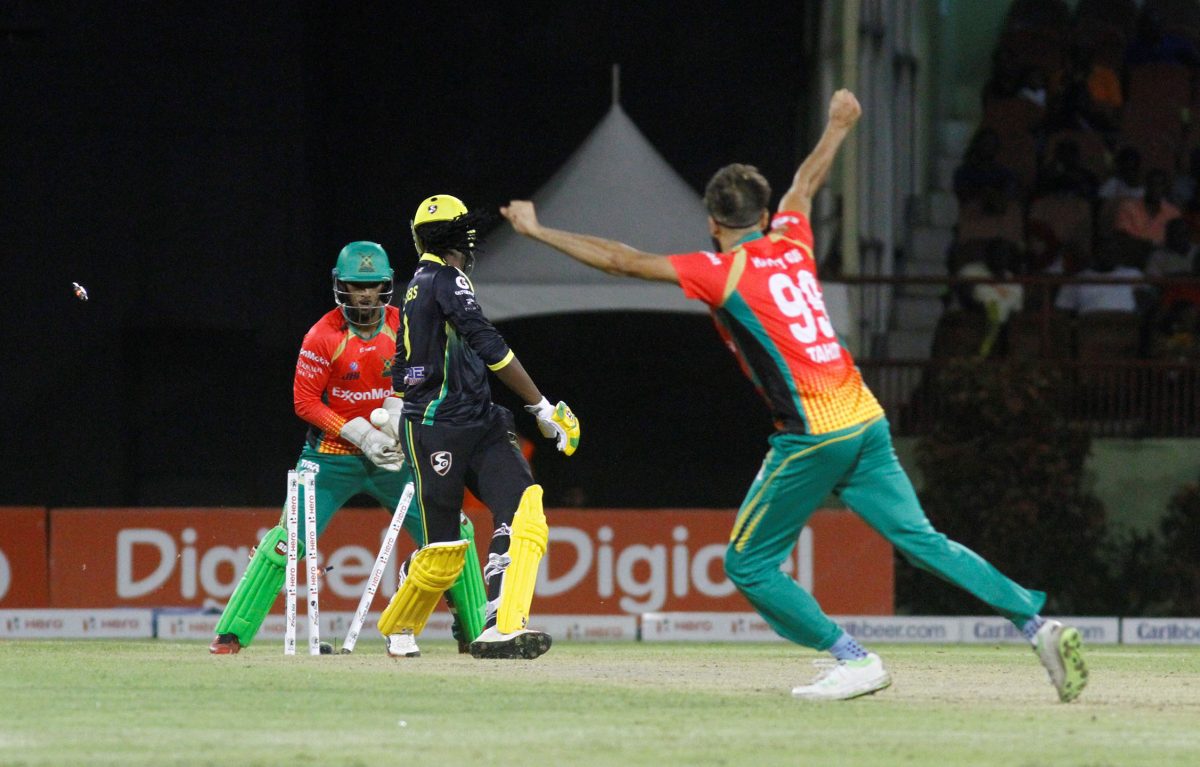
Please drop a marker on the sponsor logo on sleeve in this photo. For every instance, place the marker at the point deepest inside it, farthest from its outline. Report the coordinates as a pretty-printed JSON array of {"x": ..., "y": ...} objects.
[
  {"x": 414, "y": 375},
  {"x": 313, "y": 356},
  {"x": 306, "y": 370}
]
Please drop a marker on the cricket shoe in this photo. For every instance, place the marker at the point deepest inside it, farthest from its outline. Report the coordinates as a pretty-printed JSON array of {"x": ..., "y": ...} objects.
[
  {"x": 225, "y": 644},
  {"x": 1060, "y": 648},
  {"x": 845, "y": 679},
  {"x": 491, "y": 644},
  {"x": 402, "y": 645}
]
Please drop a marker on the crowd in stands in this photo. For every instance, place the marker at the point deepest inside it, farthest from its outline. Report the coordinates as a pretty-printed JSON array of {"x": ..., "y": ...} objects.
[{"x": 1086, "y": 163}]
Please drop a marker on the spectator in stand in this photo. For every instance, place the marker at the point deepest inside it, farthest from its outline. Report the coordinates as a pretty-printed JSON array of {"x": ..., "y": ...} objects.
[
  {"x": 1184, "y": 292},
  {"x": 981, "y": 178},
  {"x": 1146, "y": 219},
  {"x": 1177, "y": 253},
  {"x": 1006, "y": 75},
  {"x": 1064, "y": 173},
  {"x": 1183, "y": 191},
  {"x": 997, "y": 300},
  {"x": 1178, "y": 339},
  {"x": 1126, "y": 180},
  {"x": 1033, "y": 86},
  {"x": 1152, "y": 43},
  {"x": 1099, "y": 297},
  {"x": 1104, "y": 88},
  {"x": 1089, "y": 96}
]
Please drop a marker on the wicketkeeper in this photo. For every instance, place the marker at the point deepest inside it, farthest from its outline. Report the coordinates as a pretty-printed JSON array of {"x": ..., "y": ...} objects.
[
  {"x": 344, "y": 371},
  {"x": 453, "y": 435}
]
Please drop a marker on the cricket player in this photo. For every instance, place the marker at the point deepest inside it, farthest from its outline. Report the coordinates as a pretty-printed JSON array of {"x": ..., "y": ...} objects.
[
  {"x": 831, "y": 434},
  {"x": 454, "y": 436},
  {"x": 344, "y": 371}
]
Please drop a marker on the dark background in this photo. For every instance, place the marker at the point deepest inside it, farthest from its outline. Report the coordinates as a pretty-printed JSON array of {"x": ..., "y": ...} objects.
[{"x": 198, "y": 166}]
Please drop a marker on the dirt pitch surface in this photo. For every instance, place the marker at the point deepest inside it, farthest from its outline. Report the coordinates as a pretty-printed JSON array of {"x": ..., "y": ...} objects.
[{"x": 159, "y": 703}]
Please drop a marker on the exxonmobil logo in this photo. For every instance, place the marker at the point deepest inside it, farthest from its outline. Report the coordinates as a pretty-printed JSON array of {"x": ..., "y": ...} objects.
[{"x": 350, "y": 395}]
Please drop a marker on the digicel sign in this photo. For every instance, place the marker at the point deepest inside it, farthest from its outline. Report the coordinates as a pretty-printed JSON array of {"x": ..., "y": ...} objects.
[
  {"x": 600, "y": 561},
  {"x": 23, "y": 566}
]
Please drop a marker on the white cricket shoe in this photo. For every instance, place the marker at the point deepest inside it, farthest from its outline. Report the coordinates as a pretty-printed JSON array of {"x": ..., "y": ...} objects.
[
  {"x": 522, "y": 643},
  {"x": 845, "y": 679},
  {"x": 1059, "y": 648},
  {"x": 402, "y": 645}
]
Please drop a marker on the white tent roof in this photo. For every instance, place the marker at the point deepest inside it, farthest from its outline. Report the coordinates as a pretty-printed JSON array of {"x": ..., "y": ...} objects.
[{"x": 616, "y": 186}]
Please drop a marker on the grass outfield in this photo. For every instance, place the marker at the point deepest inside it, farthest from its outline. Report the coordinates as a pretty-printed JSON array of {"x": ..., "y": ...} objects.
[{"x": 156, "y": 702}]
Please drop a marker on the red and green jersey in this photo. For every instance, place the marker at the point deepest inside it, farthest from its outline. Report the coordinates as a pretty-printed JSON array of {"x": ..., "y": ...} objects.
[
  {"x": 767, "y": 304},
  {"x": 340, "y": 375}
]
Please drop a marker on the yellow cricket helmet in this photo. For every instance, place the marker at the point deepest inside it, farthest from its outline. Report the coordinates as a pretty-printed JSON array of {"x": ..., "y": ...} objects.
[
  {"x": 440, "y": 207},
  {"x": 448, "y": 226}
]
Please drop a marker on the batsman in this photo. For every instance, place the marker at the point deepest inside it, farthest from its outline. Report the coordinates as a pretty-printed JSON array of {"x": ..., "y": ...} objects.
[
  {"x": 454, "y": 436},
  {"x": 343, "y": 372}
]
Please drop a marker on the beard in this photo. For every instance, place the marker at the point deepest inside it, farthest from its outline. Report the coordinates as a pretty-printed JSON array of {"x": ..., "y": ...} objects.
[{"x": 363, "y": 317}]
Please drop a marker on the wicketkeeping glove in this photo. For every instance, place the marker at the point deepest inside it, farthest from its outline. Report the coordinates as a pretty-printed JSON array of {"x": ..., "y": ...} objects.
[
  {"x": 395, "y": 427},
  {"x": 557, "y": 421},
  {"x": 376, "y": 446}
]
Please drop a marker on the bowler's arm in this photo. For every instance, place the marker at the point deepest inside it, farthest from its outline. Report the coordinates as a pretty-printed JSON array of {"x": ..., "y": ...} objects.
[
  {"x": 844, "y": 112},
  {"x": 606, "y": 255}
]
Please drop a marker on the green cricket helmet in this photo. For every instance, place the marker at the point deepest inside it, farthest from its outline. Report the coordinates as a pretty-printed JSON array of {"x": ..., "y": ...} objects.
[{"x": 362, "y": 263}]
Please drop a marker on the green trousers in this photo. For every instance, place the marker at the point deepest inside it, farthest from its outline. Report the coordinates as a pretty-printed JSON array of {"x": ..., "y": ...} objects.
[
  {"x": 341, "y": 477},
  {"x": 860, "y": 465}
]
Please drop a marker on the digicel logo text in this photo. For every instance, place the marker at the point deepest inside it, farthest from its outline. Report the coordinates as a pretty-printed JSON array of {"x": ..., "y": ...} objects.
[{"x": 640, "y": 576}]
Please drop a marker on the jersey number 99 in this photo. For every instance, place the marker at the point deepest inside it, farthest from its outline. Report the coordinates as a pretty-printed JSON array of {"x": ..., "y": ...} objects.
[{"x": 804, "y": 301}]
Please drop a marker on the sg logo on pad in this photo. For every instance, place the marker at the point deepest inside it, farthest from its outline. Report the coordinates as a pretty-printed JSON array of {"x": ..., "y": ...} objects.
[{"x": 441, "y": 462}]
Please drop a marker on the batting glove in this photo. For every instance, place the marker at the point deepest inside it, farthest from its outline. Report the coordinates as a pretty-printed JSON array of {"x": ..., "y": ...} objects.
[
  {"x": 557, "y": 421},
  {"x": 376, "y": 446}
]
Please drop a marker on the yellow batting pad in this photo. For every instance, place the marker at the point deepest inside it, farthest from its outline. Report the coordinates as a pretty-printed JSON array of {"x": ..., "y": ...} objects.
[
  {"x": 530, "y": 536},
  {"x": 432, "y": 570}
]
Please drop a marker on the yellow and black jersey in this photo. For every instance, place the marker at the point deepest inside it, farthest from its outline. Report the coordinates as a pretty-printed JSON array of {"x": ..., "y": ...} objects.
[{"x": 447, "y": 348}]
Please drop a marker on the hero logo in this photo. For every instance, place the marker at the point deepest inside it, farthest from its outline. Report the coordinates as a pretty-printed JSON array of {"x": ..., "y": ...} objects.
[
  {"x": 350, "y": 395},
  {"x": 441, "y": 462},
  {"x": 317, "y": 358}
]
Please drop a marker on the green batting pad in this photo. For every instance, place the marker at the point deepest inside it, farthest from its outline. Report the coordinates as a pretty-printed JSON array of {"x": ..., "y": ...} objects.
[
  {"x": 256, "y": 592},
  {"x": 468, "y": 595}
]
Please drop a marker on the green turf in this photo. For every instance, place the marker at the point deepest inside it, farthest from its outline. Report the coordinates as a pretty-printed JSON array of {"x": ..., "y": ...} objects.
[{"x": 154, "y": 703}]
